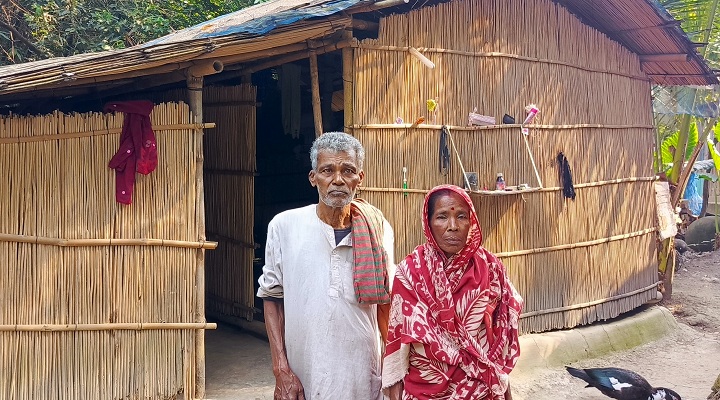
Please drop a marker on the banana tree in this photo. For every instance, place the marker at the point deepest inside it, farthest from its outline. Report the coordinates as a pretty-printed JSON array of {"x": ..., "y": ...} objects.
[{"x": 699, "y": 21}]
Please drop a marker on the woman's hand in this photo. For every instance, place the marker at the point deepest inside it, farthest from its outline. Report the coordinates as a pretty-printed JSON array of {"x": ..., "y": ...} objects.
[
  {"x": 396, "y": 391},
  {"x": 288, "y": 386}
]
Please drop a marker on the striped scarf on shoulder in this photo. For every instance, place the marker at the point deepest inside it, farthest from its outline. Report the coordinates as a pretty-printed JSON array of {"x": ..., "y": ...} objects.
[{"x": 370, "y": 277}]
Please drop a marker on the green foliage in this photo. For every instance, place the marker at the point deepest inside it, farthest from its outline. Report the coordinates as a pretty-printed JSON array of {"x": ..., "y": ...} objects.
[
  {"x": 699, "y": 23},
  {"x": 713, "y": 151},
  {"x": 670, "y": 143},
  {"x": 53, "y": 28}
]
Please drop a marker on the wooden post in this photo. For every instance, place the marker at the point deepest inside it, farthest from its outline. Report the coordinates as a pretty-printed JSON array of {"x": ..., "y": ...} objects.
[
  {"x": 348, "y": 74},
  {"x": 195, "y": 87},
  {"x": 326, "y": 102},
  {"x": 195, "y": 77},
  {"x": 315, "y": 83}
]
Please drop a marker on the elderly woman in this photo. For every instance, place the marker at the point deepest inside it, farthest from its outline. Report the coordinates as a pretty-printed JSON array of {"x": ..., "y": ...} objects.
[{"x": 453, "y": 331}]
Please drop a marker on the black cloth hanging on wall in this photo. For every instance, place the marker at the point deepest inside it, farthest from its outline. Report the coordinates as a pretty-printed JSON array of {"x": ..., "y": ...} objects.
[
  {"x": 566, "y": 176},
  {"x": 444, "y": 161}
]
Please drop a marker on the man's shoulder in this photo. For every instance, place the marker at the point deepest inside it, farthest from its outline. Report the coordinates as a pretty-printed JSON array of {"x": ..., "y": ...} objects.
[{"x": 294, "y": 215}]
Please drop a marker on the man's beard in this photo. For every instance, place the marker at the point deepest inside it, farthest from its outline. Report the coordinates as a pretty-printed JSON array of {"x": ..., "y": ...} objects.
[{"x": 336, "y": 202}]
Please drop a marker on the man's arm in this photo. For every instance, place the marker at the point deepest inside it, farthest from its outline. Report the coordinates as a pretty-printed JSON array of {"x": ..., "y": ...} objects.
[{"x": 287, "y": 384}]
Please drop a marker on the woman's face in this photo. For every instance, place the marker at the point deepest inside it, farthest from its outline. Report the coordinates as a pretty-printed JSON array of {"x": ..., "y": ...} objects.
[{"x": 450, "y": 223}]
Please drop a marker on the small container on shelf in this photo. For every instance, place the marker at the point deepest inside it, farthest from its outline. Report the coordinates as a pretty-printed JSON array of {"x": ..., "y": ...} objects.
[{"x": 500, "y": 182}]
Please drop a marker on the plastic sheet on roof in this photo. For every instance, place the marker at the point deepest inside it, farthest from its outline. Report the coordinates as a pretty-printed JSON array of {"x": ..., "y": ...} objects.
[{"x": 254, "y": 21}]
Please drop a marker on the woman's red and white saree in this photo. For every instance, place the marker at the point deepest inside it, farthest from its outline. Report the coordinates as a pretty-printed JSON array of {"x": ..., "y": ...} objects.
[{"x": 453, "y": 331}]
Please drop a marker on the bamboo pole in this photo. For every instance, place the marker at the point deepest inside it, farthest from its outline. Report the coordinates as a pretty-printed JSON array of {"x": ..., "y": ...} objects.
[
  {"x": 589, "y": 303},
  {"x": 532, "y": 159},
  {"x": 195, "y": 92},
  {"x": 497, "y": 127},
  {"x": 348, "y": 73},
  {"x": 6, "y": 237},
  {"x": 496, "y": 54},
  {"x": 294, "y": 56},
  {"x": 75, "y": 135},
  {"x": 119, "y": 326},
  {"x": 515, "y": 192},
  {"x": 315, "y": 86},
  {"x": 462, "y": 169},
  {"x": 508, "y": 254}
]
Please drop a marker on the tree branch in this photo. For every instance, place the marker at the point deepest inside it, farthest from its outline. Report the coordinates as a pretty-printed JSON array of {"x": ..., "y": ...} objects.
[{"x": 21, "y": 38}]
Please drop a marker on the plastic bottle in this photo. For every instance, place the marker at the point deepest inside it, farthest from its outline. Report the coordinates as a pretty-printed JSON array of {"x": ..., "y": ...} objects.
[{"x": 500, "y": 182}]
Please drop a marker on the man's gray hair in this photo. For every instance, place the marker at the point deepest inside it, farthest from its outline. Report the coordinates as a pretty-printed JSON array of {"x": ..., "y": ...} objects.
[{"x": 337, "y": 142}]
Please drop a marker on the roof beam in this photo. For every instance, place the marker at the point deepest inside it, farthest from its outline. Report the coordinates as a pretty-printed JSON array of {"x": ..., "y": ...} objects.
[
  {"x": 669, "y": 24},
  {"x": 680, "y": 57},
  {"x": 682, "y": 75}
]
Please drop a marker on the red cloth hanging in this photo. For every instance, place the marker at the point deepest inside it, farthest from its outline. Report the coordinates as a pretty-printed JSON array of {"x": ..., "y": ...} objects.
[{"x": 138, "y": 147}]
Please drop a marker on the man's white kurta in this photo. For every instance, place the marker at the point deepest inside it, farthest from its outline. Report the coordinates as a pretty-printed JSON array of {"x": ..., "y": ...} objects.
[{"x": 332, "y": 341}]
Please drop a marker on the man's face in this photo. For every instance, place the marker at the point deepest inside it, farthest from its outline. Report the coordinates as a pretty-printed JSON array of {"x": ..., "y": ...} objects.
[{"x": 337, "y": 177}]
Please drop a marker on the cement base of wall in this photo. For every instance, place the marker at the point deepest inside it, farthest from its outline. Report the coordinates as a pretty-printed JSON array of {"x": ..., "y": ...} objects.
[{"x": 558, "y": 348}]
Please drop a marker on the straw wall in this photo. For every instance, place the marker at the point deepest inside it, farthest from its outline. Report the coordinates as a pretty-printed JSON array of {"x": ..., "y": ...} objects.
[
  {"x": 229, "y": 190},
  {"x": 229, "y": 185},
  {"x": 84, "y": 317},
  {"x": 574, "y": 262}
]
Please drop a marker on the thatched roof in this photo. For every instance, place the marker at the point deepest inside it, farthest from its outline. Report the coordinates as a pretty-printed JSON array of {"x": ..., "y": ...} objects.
[
  {"x": 282, "y": 27},
  {"x": 647, "y": 29}
]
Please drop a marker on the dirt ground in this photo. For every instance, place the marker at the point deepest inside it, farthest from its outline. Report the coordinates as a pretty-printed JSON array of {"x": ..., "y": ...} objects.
[{"x": 687, "y": 360}]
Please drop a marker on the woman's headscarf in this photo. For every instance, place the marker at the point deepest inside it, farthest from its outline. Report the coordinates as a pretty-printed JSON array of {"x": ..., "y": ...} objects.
[{"x": 462, "y": 309}]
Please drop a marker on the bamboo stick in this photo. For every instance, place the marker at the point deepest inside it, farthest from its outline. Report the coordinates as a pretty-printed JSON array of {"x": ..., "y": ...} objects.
[
  {"x": 5, "y": 237},
  {"x": 295, "y": 56},
  {"x": 315, "y": 88},
  {"x": 75, "y": 135},
  {"x": 494, "y": 127},
  {"x": 516, "y": 192},
  {"x": 462, "y": 169},
  {"x": 589, "y": 303},
  {"x": 638, "y": 77},
  {"x": 129, "y": 326},
  {"x": 347, "y": 76},
  {"x": 195, "y": 96},
  {"x": 532, "y": 160},
  {"x": 508, "y": 254}
]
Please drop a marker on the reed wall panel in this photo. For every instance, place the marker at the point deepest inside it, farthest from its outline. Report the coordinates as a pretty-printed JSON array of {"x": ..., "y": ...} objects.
[
  {"x": 229, "y": 164},
  {"x": 60, "y": 187},
  {"x": 497, "y": 57}
]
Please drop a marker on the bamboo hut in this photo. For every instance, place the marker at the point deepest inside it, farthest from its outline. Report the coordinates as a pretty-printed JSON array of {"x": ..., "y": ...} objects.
[{"x": 111, "y": 301}]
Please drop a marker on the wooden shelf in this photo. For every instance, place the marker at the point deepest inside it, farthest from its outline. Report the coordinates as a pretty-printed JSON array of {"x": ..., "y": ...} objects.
[
  {"x": 497, "y": 127},
  {"x": 504, "y": 192}
]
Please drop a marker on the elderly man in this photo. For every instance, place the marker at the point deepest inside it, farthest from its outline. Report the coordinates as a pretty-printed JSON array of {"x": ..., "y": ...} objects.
[{"x": 325, "y": 283}]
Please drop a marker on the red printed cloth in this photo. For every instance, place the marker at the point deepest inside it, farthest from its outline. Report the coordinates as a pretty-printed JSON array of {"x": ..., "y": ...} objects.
[
  {"x": 138, "y": 147},
  {"x": 453, "y": 330}
]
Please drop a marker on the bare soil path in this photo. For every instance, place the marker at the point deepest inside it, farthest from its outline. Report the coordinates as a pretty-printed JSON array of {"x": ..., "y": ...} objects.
[{"x": 687, "y": 360}]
